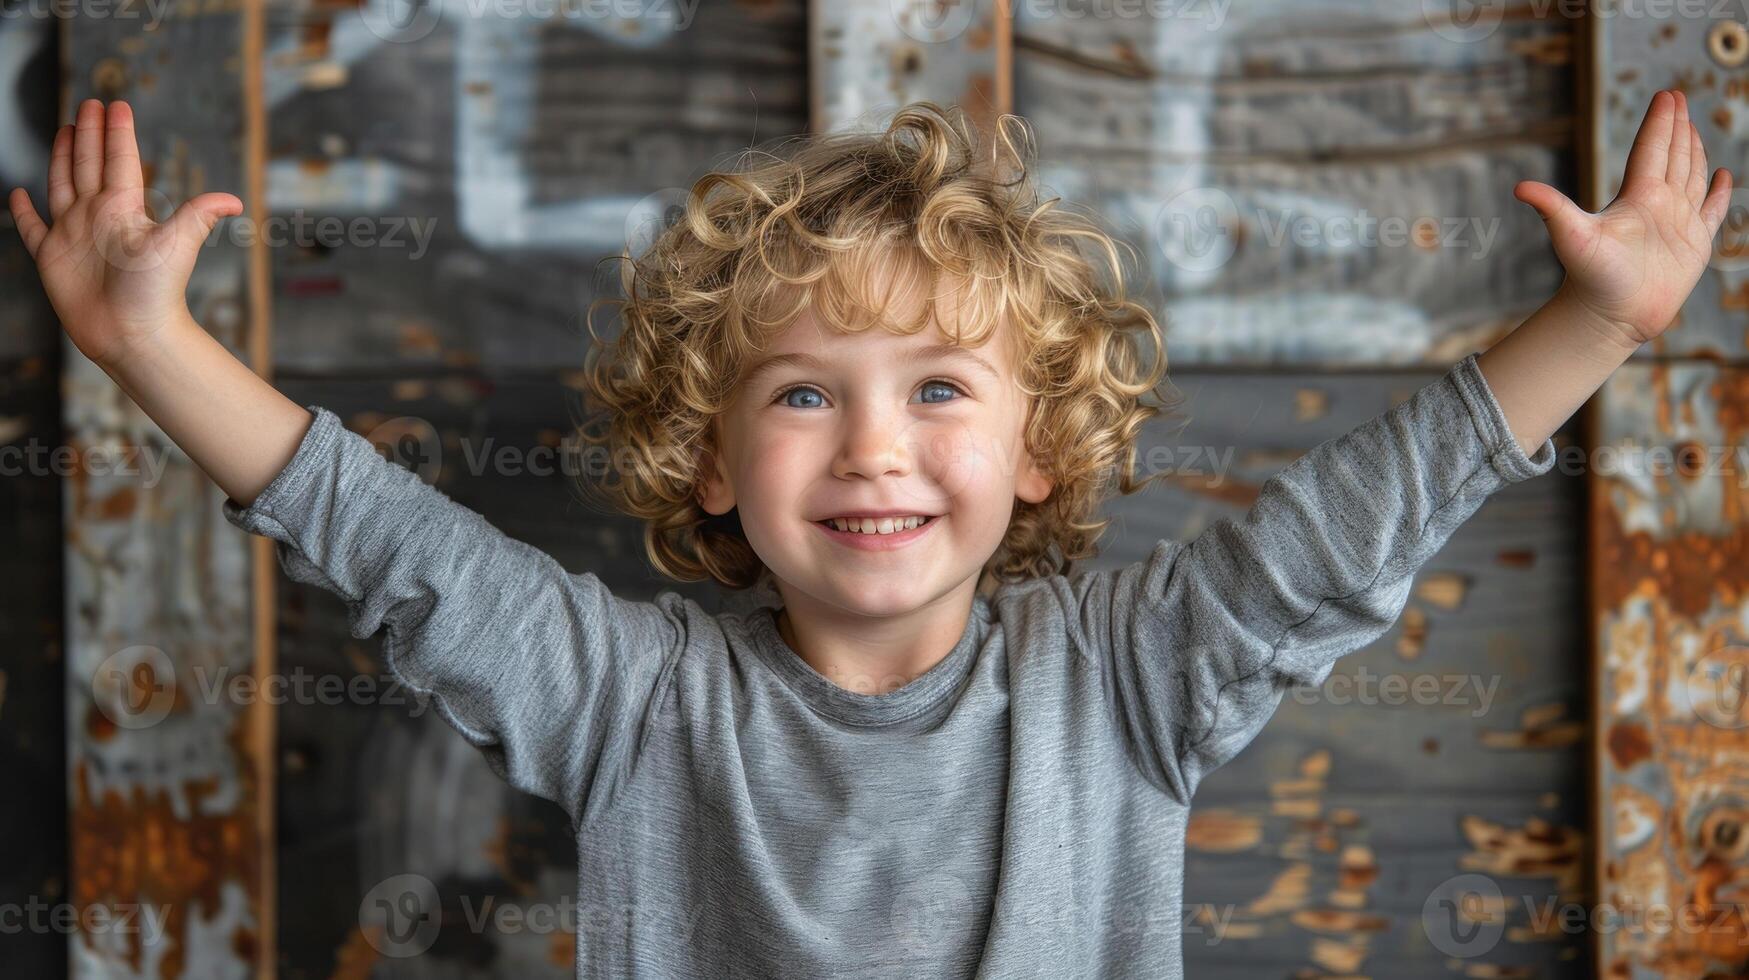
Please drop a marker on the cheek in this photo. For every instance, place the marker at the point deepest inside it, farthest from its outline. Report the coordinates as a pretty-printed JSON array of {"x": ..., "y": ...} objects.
[
  {"x": 962, "y": 460},
  {"x": 772, "y": 470}
]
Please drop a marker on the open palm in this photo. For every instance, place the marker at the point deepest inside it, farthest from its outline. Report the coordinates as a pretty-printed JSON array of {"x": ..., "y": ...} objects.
[
  {"x": 1635, "y": 262},
  {"x": 112, "y": 272}
]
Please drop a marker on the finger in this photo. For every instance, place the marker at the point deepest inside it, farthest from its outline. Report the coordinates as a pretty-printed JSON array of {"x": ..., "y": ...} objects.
[
  {"x": 88, "y": 148},
  {"x": 61, "y": 173},
  {"x": 30, "y": 224},
  {"x": 197, "y": 216},
  {"x": 1718, "y": 202},
  {"x": 121, "y": 152},
  {"x": 1651, "y": 150},
  {"x": 1697, "y": 165},
  {"x": 1554, "y": 206},
  {"x": 1676, "y": 168}
]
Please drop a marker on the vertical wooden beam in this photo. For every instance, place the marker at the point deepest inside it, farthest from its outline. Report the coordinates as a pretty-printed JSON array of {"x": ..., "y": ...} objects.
[{"x": 167, "y": 607}]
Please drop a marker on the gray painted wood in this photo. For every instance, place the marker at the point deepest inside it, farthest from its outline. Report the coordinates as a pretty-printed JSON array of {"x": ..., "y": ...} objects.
[{"x": 1249, "y": 152}]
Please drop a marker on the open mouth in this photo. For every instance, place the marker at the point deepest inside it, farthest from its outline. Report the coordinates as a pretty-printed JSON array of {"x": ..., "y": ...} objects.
[{"x": 875, "y": 526}]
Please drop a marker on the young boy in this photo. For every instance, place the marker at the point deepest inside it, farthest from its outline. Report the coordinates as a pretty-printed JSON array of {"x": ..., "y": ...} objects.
[{"x": 856, "y": 382}]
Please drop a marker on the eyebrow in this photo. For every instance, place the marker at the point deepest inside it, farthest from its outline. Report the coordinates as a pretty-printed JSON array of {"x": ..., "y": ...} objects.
[{"x": 933, "y": 351}]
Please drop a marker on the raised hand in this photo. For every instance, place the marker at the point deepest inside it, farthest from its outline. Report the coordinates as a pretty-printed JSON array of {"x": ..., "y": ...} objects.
[
  {"x": 114, "y": 275},
  {"x": 1633, "y": 264}
]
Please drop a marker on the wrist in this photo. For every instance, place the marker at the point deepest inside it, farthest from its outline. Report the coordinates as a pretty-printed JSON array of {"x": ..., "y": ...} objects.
[
  {"x": 1595, "y": 334},
  {"x": 146, "y": 343}
]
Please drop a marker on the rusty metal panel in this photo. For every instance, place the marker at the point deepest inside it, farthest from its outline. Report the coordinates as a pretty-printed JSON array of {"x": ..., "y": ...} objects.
[
  {"x": 1671, "y": 476},
  {"x": 170, "y": 780},
  {"x": 867, "y": 59},
  {"x": 1452, "y": 746},
  {"x": 1706, "y": 55},
  {"x": 1325, "y": 183}
]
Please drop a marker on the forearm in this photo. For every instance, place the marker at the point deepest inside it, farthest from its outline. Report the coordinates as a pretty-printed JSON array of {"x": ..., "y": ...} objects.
[
  {"x": 235, "y": 426},
  {"x": 1543, "y": 371}
]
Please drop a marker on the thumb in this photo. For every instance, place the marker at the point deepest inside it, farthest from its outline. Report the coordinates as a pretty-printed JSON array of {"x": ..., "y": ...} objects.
[
  {"x": 195, "y": 219},
  {"x": 1555, "y": 208}
]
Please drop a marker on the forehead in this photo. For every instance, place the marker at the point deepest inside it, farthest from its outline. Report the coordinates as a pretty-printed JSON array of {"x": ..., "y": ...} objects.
[{"x": 811, "y": 342}]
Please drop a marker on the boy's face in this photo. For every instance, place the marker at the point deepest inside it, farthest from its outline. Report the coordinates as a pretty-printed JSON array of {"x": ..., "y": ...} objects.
[{"x": 855, "y": 424}]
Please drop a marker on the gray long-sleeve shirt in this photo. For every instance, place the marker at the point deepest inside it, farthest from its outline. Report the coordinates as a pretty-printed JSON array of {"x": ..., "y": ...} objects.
[{"x": 1017, "y": 811}]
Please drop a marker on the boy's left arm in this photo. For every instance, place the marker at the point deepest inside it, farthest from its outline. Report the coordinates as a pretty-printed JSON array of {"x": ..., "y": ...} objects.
[{"x": 1197, "y": 643}]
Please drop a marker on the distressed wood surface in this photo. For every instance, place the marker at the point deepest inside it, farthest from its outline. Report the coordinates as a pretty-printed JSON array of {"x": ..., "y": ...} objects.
[
  {"x": 170, "y": 785},
  {"x": 1250, "y": 154},
  {"x": 472, "y": 179}
]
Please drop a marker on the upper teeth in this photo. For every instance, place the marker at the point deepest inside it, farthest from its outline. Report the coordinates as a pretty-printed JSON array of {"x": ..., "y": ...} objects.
[{"x": 877, "y": 525}]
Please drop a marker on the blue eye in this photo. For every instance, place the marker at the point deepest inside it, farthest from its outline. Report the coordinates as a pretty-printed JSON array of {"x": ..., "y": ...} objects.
[
  {"x": 941, "y": 385},
  {"x": 800, "y": 390}
]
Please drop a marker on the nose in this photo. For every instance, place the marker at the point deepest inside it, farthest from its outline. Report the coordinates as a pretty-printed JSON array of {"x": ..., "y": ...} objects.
[{"x": 873, "y": 445}]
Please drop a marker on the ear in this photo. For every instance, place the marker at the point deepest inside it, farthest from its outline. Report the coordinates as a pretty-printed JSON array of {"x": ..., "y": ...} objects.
[
  {"x": 715, "y": 493},
  {"x": 1032, "y": 484}
]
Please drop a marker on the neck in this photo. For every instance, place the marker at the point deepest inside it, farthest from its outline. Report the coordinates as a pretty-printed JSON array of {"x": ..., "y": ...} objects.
[{"x": 874, "y": 654}]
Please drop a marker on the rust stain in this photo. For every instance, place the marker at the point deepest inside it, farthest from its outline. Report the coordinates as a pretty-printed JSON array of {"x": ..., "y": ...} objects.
[
  {"x": 1516, "y": 558},
  {"x": 1412, "y": 639},
  {"x": 1538, "y": 849},
  {"x": 1225, "y": 490},
  {"x": 1310, "y": 404},
  {"x": 357, "y": 959},
  {"x": 1222, "y": 831},
  {"x": 1338, "y": 920},
  {"x": 1443, "y": 590},
  {"x": 562, "y": 949},
  {"x": 1338, "y": 957},
  {"x": 1287, "y": 892},
  {"x": 134, "y": 849},
  {"x": 1629, "y": 744},
  {"x": 1540, "y": 727}
]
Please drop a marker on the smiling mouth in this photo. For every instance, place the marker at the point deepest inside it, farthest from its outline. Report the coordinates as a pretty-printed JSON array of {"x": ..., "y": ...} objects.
[{"x": 875, "y": 527}]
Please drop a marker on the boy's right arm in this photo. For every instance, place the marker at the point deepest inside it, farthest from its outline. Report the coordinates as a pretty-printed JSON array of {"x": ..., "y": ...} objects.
[{"x": 548, "y": 673}]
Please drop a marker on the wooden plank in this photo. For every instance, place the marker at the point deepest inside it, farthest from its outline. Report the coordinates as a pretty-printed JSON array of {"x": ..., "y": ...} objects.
[
  {"x": 33, "y": 722},
  {"x": 1441, "y": 750},
  {"x": 1310, "y": 184},
  {"x": 170, "y": 786},
  {"x": 492, "y": 166}
]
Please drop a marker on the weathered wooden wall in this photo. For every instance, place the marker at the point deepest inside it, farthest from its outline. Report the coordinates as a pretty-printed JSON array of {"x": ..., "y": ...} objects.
[
  {"x": 492, "y": 161},
  {"x": 1669, "y": 519},
  {"x": 33, "y": 809}
]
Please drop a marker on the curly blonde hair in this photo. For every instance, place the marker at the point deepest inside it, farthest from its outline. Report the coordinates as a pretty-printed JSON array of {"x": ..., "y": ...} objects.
[{"x": 812, "y": 224}]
